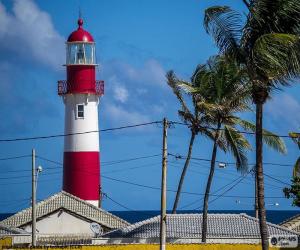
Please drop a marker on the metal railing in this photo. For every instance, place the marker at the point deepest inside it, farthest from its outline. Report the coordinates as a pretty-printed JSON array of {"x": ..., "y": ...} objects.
[{"x": 63, "y": 87}]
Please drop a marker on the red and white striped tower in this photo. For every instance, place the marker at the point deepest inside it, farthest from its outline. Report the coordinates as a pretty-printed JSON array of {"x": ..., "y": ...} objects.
[{"x": 81, "y": 93}]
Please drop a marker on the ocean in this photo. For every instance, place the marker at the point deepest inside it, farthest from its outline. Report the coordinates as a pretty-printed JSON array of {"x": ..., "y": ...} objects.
[{"x": 273, "y": 216}]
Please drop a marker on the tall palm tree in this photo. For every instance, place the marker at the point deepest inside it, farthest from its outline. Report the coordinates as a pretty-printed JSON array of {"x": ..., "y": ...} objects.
[
  {"x": 196, "y": 117},
  {"x": 266, "y": 43},
  {"x": 222, "y": 90},
  {"x": 192, "y": 117}
]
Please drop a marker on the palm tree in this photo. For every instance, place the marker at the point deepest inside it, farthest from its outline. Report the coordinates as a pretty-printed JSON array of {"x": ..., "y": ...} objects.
[
  {"x": 267, "y": 45},
  {"x": 196, "y": 119},
  {"x": 193, "y": 119},
  {"x": 222, "y": 90}
]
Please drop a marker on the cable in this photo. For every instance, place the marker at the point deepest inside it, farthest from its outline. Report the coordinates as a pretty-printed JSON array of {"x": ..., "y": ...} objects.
[
  {"x": 226, "y": 191},
  {"x": 127, "y": 208},
  {"x": 125, "y": 169},
  {"x": 14, "y": 157},
  {"x": 191, "y": 193},
  {"x": 78, "y": 133},
  {"x": 180, "y": 157},
  {"x": 239, "y": 131},
  {"x": 275, "y": 179},
  {"x": 129, "y": 159}
]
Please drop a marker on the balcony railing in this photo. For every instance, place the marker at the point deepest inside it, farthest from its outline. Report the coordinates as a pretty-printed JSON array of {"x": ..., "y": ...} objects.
[{"x": 63, "y": 88}]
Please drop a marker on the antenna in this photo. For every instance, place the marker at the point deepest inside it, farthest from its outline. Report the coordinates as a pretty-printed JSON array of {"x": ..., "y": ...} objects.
[{"x": 80, "y": 13}]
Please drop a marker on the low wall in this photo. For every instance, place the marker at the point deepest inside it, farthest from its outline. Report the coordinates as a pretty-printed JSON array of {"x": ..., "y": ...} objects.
[{"x": 7, "y": 242}]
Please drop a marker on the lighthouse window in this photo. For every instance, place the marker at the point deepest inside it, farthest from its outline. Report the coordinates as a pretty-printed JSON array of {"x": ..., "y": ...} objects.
[
  {"x": 80, "y": 111},
  {"x": 80, "y": 53}
]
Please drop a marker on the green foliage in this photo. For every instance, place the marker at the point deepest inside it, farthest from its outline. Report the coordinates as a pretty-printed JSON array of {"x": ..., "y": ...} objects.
[
  {"x": 295, "y": 137},
  {"x": 293, "y": 191},
  {"x": 270, "y": 139},
  {"x": 267, "y": 43}
]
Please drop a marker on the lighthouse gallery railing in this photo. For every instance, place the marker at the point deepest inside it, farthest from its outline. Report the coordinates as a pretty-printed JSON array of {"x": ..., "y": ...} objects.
[{"x": 63, "y": 87}]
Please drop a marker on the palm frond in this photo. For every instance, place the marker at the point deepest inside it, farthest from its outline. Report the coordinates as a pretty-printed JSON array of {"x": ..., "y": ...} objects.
[
  {"x": 238, "y": 145},
  {"x": 296, "y": 168},
  {"x": 295, "y": 137},
  {"x": 172, "y": 81},
  {"x": 224, "y": 24},
  {"x": 278, "y": 55},
  {"x": 270, "y": 139}
]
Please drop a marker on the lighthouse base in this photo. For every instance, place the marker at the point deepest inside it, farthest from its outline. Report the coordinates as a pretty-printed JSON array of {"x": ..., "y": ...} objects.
[{"x": 82, "y": 175}]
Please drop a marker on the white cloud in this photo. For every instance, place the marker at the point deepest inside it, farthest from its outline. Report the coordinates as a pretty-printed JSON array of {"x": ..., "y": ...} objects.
[
  {"x": 151, "y": 73},
  {"x": 120, "y": 93},
  {"x": 28, "y": 31},
  {"x": 284, "y": 109},
  {"x": 120, "y": 116}
]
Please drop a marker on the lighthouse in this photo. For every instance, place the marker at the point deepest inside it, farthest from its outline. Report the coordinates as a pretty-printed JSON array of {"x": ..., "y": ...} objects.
[{"x": 81, "y": 93}]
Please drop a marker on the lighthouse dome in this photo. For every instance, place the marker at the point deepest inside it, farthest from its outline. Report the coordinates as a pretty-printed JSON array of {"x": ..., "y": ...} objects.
[{"x": 80, "y": 35}]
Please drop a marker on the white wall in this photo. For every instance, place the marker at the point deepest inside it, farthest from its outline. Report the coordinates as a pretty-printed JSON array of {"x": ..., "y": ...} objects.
[
  {"x": 61, "y": 222},
  {"x": 84, "y": 142}
]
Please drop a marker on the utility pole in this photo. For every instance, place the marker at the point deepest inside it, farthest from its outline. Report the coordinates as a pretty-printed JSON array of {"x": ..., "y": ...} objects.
[
  {"x": 33, "y": 200},
  {"x": 163, "y": 218}
]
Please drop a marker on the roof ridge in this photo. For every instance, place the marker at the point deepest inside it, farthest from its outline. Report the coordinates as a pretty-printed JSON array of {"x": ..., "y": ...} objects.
[
  {"x": 290, "y": 219},
  {"x": 92, "y": 206},
  {"x": 270, "y": 224},
  {"x": 57, "y": 201},
  {"x": 140, "y": 223}
]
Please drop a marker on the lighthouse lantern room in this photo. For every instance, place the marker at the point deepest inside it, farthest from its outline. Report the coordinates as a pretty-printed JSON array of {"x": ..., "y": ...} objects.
[{"x": 81, "y": 93}]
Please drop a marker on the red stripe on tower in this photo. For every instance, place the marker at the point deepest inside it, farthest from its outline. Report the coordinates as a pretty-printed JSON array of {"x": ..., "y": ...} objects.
[{"x": 81, "y": 94}]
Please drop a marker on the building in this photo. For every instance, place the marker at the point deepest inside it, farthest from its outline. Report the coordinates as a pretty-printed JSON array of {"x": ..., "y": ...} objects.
[
  {"x": 63, "y": 216},
  {"x": 81, "y": 93},
  {"x": 292, "y": 223},
  {"x": 186, "y": 228}
]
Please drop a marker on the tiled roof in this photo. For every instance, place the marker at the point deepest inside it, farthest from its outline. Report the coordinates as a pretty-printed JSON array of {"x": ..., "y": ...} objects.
[
  {"x": 5, "y": 230},
  {"x": 190, "y": 225},
  {"x": 292, "y": 223},
  {"x": 64, "y": 200}
]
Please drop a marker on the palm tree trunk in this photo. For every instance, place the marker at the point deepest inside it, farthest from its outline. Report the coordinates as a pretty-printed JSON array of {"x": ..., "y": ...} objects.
[
  {"x": 208, "y": 185},
  {"x": 186, "y": 164},
  {"x": 260, "y": 178}
]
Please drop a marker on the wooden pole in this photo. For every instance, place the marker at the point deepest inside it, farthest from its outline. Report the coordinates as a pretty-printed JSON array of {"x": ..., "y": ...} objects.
[
  {"x": 163, "y": 188},
  {"x": 33, "y": 200}
]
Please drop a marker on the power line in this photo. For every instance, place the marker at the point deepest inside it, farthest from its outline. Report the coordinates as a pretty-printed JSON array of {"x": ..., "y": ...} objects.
[
  {"x": 275, "y": 179},
  {"x": 127, "y": 208},
  {"x": 180, "y": 157},
  {"x": 14, "y": 157},
  {"x": 78, "y": 133},
  {"x": 215, "y": 192},
  {"x": 227, "y": 190},
  {"x": 191, "y": 193},
  {"x": 239, "y": 131}
]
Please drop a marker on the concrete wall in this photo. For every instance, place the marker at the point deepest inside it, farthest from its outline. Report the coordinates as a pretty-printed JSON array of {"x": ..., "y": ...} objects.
[
  {"x": 61, "y": 222},
  {"x": 156, "y": 247}
]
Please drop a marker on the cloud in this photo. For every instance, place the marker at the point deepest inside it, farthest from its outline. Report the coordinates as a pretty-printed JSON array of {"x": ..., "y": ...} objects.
[
  {"x": 29, "y": 33},
  {"x": 284, "y": 109},
  {"x": 121, "y": 93},
  {"x": 150, "y": 72},
  {"x": 121, "y": 116}
]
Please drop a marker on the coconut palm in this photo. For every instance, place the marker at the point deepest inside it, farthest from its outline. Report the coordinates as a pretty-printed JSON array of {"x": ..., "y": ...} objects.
[
  {"x": 196, "y": 117},
  {"x": 192, "y": 119},
  {"x": 224, "y": 94},
  {"x": 266, "y": 43}
]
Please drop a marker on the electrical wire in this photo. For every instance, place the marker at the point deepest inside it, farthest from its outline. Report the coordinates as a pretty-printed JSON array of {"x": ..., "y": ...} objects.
[
  {"x": 78, "y": 133},
  {"x": 239, "y": 131}
]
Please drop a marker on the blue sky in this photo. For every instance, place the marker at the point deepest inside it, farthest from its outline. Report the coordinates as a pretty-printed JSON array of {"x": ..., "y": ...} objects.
[{"x": 137, "y": 42}]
